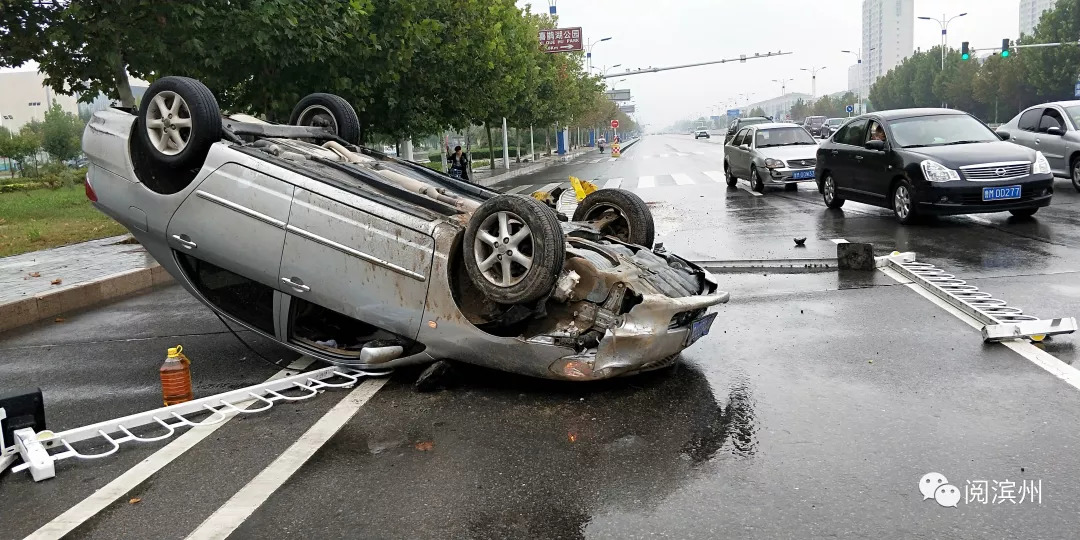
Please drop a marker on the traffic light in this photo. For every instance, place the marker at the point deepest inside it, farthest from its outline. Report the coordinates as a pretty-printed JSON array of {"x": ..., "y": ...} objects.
[
  {"x": 965, "y": 52},
  {"x": 1006, "y": 44}
]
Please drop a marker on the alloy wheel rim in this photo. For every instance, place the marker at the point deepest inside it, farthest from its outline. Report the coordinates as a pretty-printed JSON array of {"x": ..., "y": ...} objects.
[
  {"x": 829, "y": 189},
  {"x": 168, "y": 123},
  {"x": 902, "y": 202},
  {"x": 504, "y": 248}
]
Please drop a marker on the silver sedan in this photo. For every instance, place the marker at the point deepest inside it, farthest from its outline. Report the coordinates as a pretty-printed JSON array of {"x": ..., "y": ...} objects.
[{"x": 771, "y": 154}]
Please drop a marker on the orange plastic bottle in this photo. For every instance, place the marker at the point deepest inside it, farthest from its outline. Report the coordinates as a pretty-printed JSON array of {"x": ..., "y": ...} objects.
[{"x": 175, "y": 377}]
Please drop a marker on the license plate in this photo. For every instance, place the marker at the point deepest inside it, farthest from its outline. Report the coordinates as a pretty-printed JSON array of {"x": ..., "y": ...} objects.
[
  {"x": 699, "y": 328},
  {"x": 1001, "y": 193},
  {"x": 802, "y": 175}
]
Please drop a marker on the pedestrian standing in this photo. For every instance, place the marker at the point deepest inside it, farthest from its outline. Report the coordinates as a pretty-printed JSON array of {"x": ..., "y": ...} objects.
[{"x": 458, "y": 163}]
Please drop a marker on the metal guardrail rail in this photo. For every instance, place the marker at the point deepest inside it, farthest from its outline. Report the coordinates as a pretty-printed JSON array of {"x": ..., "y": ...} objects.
[{"x": 34, "y": 447}]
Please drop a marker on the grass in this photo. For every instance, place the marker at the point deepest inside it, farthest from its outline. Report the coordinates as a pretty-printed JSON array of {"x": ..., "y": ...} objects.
[{"x": 46, "y": 218}]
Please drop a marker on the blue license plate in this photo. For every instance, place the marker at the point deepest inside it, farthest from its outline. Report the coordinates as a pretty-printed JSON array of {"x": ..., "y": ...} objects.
[
  {"x": 699, "y": 328},
  {"x": 802, "y": 175},
  {"x": 1003, "y": 193}
]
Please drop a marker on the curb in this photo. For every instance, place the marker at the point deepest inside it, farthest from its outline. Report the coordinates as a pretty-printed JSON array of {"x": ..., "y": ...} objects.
[
  {"x": 52, "y": 303},
  {"x": 555, "y": 160}
]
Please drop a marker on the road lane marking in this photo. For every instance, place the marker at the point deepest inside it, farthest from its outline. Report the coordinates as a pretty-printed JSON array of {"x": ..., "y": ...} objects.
[
  {"x": 1048, "y": 362},
  {"x": 613, "y": 183},
  {"x": 130, "y": 479},
  {"x": 839, "y": 241},
  {"x": 646, "y": 182},
  {"x": 715, "y": 176},
  {"x": 978, "y": 219},
  {"x": 518, "y": 189},
  {"x": 237, "y": 509},
  {"x": 663, "y": 155},
  {"x": 681, "y": 154},
  {"x": 747, "y": 189},
  {"x": 611, "y": 159},
  {"x": 682, "y": 179},
  {"x": 550, "y": 186}
]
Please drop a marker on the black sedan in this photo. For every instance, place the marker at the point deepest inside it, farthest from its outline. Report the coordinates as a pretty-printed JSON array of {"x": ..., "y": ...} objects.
[{"x": 933, "y": 162}]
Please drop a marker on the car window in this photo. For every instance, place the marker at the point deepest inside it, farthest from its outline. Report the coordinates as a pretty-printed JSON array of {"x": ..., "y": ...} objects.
[
  {"x": 939, "y": 130},
  {"x": 875, "y": 133},
  {"x": 1051, "y": 118},
  {"x": 1074, "y": 114},
  {"x": 1029, "y": 121},
  {"x": 788, "y": 136},
  {"x": 739, "y": 137},
  {"x": 853, "y": 132}
]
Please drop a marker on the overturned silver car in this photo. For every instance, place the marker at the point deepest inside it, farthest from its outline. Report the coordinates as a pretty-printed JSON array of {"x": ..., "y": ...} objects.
[{"x": 359, "y": 259}]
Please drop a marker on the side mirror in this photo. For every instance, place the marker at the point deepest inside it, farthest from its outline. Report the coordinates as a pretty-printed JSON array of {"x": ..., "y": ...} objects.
[
  {"x": 744, "y": 147},
  {"x": 1055, "y": 131},
  {"x": 1004, "y": 135},
  {"x": 875, "y": 145}
]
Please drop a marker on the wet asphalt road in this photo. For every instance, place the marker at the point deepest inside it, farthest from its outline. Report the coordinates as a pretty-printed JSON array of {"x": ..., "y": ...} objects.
[{"x": 812, "y": 410}]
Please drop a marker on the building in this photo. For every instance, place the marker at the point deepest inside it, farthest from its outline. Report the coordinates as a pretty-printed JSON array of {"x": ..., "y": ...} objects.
[
  {"x": 854, "y": 78},
  {"x": 1030, "y": 12},
  {"x": 777, "y": 107},
  {"x": 888, "y": 37},
  {"x": 26, "y": 98}
]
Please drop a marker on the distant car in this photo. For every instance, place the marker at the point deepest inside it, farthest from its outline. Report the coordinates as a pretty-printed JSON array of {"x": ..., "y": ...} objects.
[
  {"x": 831, "y": 125},
  {"x": 701, "y": 132},
  {"x": 813, "y": 124},
  {"x": 931, "y": 161},
  {"x": 1050, "y": 128},
  {"x": 740, "y": 123},
  {"x": 771, "y": 154}
]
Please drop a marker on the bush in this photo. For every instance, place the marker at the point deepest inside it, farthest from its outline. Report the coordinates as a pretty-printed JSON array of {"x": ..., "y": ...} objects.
[{"x": 50, "y": 177}]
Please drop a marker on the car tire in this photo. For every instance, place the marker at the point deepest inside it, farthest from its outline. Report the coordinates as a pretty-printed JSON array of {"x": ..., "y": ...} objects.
[
  {"x": 902, "y": 200},
  {"x": 828, "y": 191},
  {"x": 755, "y": 180},
  {"x": 1076, "y": 173},
  {"x": 1024, "y": 212},
  {"x": 179, "y": 120},
  {"x": 531, "y": 232},
  {"x": 635, "y": 224},
  {"x": 732, "y": 180},
  {"x": 330, "y": 111}
]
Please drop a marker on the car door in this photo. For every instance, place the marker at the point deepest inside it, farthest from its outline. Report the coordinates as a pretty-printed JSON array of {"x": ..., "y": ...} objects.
[
  {"x": 228, "y": 235},
  {"x": 744, "y": 138},
  {"x": 1027, "y": 126},
  {"x": 843, "y": 156},
  {"x": 734, "y": 153},
  {"x": 870, "y": 168},
  {"x": 1052, "y": 145},
  {"x": 357, "y": 257}
]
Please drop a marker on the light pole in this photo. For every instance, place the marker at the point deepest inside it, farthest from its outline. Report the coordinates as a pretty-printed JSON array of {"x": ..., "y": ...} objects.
[
  {"x": 944, "y": 24},
  {"x": 858, "y": 87},
  {"x": 813, "y": 79},
  {"x": 589, "y": 48},
  {"x": 783, "y": 85}
]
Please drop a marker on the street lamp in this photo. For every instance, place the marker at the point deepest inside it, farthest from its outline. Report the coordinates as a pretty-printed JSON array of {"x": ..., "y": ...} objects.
[
  {"x": 589, "y": 47},
  {"x": 944, "y": 24},
  {"x": 783, "y": 85},
  {"x": 813, "y": 79},
  {"x": 858, "y": 87}
]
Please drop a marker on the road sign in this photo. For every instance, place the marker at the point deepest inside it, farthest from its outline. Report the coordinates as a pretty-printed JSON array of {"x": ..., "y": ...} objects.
[
  {"x": 850, "y": 108},
  {"x": 733, "y": 113},
  {"x": 560, "y": 40},
  {"x": 1076, "y": 91},
  {"x": 622, "y": 94},
  {"x": 628, "y": 109},
  {"x": 615, "y": 124}
]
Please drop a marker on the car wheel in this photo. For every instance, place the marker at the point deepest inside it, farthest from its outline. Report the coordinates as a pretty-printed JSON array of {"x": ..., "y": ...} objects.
[
  {"x": 1024, "y": 212},
  {"x": 755, "y": 180},
  {"x": 732, "y": 180},
  {"x": 179, "y": 120},
  {"x": 328, "y": 111},
  {"x": 619, "y": 213},
  {"x": 514, "y": 249},
  {"x": 828, "y": 191},
  {"x": 903, "y": 202},
  {"x": 1076, "y": 173}
]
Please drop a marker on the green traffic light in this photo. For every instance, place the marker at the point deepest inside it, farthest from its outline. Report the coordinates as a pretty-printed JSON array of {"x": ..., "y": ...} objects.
[
  {"x": 1005, "y": 53},
  {"x": 966, "y": 57}
]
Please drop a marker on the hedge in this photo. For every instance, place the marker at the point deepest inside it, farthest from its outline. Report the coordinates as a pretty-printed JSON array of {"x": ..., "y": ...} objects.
[
  {"x": 67, "y": 177},
  {"x": 479, "y": 153}
]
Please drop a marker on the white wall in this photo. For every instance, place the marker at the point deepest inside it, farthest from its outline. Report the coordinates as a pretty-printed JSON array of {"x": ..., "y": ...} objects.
[
  {"x": 888, "y": 37},
  {"x": 25, "y": 97},
  {"x": 1030, "y": 12}
]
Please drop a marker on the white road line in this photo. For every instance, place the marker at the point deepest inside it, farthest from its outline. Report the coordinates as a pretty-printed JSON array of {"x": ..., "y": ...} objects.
[
  {"x": 681, "y": 154},
  {"x": 839, "y": 241},
  {"x": 1069, "y": 374},
  {"x": 613, "y": 183},
  {"x": 715, "y": 176},
  {"x": 682, "y": 179},
  {"x": 550, "y": 186},
  {"x": 646, "y": 182},
  {"x": 980, "y": 220},
  {"x": 518, "y": 189},
  {"x": 663, "y": 155},
  {"x": 121, "y": 485},
  {"x": 699, "y": 153},
  {"x": 237, "y": 509},
  {"x": 747, "y": 189},
  {"x": 611, "y": 159}
]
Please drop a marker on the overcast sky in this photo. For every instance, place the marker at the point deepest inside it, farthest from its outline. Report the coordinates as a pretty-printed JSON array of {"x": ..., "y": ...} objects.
[{"x": 663, "y": 33}]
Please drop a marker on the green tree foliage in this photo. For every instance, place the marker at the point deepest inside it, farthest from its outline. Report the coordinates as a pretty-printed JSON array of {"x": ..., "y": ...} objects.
[
  {"x": 20, "y": 146},
  {"x": 61, "y": 133},
  {"x": 757, "y": 111}
]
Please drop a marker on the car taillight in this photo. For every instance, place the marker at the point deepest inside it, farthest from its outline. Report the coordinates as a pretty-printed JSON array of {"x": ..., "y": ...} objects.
[{"x": 89, "y": 189}]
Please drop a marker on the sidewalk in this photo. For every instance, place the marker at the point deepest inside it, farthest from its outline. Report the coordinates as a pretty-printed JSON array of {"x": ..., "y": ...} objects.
[
  {"x": 487, "y": 177},
  {"x": 47, "y": 283}
]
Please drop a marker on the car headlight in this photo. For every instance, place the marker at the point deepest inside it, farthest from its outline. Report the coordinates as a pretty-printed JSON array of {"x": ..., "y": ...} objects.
[
  {"x": 1042, "y": 166},
  {"x": 936, "y": 172},
  {"x": 774, "y": 163}
]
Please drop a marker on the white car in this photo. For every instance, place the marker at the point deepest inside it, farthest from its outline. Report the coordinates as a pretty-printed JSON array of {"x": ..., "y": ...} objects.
[{"x": 699, "y": 133}]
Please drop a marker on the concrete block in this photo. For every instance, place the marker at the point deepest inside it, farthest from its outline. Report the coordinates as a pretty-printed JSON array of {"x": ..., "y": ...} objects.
[
  {"x": 18, "y": 313},
  {"x": 855, "y": 256}
]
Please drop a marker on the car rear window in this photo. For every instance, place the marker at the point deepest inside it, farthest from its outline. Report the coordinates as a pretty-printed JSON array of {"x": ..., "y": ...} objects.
[{"x": 766, "y": 138}]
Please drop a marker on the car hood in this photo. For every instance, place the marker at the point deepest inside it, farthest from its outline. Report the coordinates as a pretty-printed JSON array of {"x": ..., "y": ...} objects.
[
  {"x": 976, "y": 153},
  {"x": 785, "y": 153}
]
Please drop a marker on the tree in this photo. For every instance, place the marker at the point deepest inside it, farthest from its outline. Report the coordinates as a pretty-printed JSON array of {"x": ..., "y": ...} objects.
[
  {"x": 757, "y": 111},
  {"x": 19, "y": 146},
  {"x": 61, "y": 133}
]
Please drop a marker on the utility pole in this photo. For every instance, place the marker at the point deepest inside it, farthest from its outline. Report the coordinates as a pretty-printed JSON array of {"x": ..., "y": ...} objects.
[
  {"x": 783, "y": 85},
  {"x": 506, "y": 146},
  {"x": 588, "y": 51},
  {"x": 813, "y": 79}
]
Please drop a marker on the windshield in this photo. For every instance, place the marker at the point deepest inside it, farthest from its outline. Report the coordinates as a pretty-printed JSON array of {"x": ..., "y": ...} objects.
[
  {"x": 939, "y": 130},
  {"x": 767, "y": 138},
  {"x": 835, "y": 121},
  {"x": 752, "y": 121},
  {"x": 1074, "y": 114}
]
